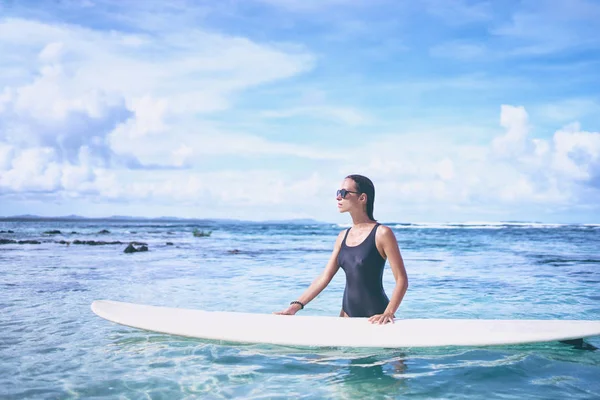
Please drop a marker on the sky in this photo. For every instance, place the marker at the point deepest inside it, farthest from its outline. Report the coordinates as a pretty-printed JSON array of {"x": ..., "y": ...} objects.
[{"x": 457, "y": 110}]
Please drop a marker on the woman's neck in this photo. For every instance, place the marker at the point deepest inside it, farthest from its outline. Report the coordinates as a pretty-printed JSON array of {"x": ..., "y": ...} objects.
[{"x": 360, "y": 219}]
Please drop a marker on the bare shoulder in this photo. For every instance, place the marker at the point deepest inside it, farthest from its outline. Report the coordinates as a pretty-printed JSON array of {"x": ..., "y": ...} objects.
[
  {"x": 385, "y": 234},
  {"x": 385, "y": 231}
]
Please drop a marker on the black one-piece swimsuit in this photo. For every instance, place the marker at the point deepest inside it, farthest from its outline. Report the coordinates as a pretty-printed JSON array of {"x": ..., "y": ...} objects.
[{"x": 364, "y": 295}]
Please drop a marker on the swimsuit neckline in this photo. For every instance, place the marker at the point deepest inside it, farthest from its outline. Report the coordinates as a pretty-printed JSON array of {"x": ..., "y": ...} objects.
[{"x": 365, "y": 239}]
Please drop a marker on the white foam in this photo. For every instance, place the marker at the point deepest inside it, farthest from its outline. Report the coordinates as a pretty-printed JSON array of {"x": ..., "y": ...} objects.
[
  {"x": 477, "y": 225},
  {"x": 342, "y": 226}
]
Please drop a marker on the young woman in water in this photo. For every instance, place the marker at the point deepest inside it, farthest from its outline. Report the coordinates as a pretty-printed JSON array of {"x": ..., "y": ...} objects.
[{"x": 361, "y": 252}]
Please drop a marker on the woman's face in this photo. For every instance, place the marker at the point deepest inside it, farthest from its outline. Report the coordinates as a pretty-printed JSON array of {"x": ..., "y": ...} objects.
[{"x": 351, "y": 199}]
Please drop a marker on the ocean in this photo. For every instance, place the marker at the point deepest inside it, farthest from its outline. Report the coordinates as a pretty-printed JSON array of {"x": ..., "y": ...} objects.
[{"x": 53, "y": 347}]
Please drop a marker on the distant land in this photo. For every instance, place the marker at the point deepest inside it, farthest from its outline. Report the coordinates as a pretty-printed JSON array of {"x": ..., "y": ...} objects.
[{"x": 29, "y": 217}]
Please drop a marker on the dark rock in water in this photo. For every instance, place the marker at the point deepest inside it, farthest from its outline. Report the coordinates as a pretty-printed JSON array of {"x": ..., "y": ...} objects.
[
  {"x": 198, "y": 233},
  {"x": 235, "y": 251},
  {"x": 10, "y": 241},
  {"x": 7, "y": 232},
  {"x": 95, "y": 242},
  {"x": 169, "y": 243},
  {"x": 73, "y": 233},
  {"x": 103, "y": 232},
  {"x": 64, "y": 242},
  {"x": 131, "y": 248},
  {"x": 54, "y": 232}
]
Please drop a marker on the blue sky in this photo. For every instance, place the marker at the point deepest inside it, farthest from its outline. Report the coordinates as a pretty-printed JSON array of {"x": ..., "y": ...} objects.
[{"x": 458, "y": 110}]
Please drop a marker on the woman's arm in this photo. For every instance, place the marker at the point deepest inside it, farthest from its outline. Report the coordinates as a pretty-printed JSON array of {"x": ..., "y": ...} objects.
[
  {"x": 392, "y": 253},
  {"x": 320, "y": 282}
]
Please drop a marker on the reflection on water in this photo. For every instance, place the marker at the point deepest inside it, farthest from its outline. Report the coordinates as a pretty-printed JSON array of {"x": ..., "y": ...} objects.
[{"x": 373, "y": 375}]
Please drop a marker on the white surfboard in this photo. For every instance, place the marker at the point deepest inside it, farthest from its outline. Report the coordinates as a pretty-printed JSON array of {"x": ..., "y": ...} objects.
[{"x": 323, "y": 331}]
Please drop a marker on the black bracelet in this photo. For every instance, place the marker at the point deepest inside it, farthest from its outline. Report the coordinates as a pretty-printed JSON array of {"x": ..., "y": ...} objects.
[{"x": 297, "y": 302}]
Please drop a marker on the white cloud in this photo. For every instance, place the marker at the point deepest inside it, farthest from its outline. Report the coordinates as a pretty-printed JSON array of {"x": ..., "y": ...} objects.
[
  {"x": 190, "y": 64},
  {"x": 97, "y": 101},
  {"x": 417, "y": 171},
  {"x": 109, "y": 91},
  {"x": 221, "y": 189},
  {"x": 445, "y": 169},
  {"x": 5, "y": 98},
  {"x": 187, "y": 146},
  {"x": 182, "y": 155},
  {"x": 577, "y": 153},
  {"x": 6, "y": 155},
  {"x": 32, "y": 170},
  {"x": 53, "y": 96},
  {"x": 148, "y": 119},
  {"x": 74, "y": 178},
  {"x": 513, "y": 142},
  {"x": 51, "y": 53},
  {"x": 428, "y": 169}
]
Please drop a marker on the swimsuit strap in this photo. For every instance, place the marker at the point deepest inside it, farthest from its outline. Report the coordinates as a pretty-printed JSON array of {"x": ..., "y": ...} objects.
[
  {"x": 373, "y": 231},
  {"x": 347, "y": 232}
]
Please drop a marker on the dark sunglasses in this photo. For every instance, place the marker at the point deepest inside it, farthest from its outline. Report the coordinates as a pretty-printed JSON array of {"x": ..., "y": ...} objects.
[{"x": 343, "y": 192}]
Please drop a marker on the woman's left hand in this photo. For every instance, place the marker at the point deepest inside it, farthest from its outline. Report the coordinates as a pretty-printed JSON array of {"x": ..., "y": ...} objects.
[{"x": 382, "y": 318}]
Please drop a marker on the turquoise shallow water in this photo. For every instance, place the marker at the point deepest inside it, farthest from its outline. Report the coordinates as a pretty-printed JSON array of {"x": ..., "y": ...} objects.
[{"x": 53, "y": 346}]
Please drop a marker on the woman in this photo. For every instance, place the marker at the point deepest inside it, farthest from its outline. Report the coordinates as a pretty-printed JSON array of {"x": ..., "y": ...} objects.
[{"x": 361, "y": 252}]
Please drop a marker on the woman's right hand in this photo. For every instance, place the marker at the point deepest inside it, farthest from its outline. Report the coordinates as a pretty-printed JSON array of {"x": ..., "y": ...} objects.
[{"x": 291, "y": 310}]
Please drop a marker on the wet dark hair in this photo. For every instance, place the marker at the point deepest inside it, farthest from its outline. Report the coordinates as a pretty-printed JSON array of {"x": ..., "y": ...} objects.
[{"x": 364, "y": 185}]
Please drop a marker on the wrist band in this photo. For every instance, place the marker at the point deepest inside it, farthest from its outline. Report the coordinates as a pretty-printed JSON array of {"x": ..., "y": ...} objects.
[{"x": 297, "y": 302}]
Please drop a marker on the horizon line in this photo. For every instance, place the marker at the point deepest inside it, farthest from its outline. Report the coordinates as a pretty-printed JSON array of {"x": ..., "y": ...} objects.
[{"x": 22, "y": 217}]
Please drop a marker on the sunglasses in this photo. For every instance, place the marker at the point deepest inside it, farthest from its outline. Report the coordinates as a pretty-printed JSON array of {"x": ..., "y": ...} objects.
[{"x": 343, "y": 192}]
